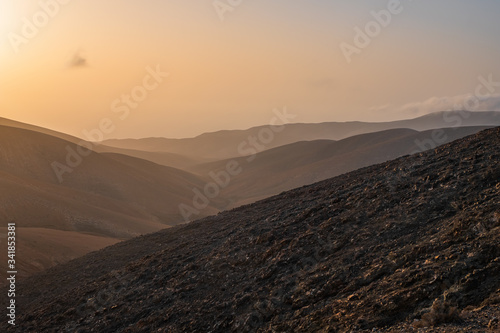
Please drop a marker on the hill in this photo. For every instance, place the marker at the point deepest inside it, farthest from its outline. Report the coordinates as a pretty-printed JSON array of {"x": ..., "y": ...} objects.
[
  {"x": 41, "y": 248},
  {"x": 16, "y": 124},
  {"x": 410, "y": 241},
  {"x": 284, "y": 168},
  {"x": 168, "y": 159},
  {"x": 226, "y": 144},
  {"x": 177, "y": 161},
  {"x": 115, "y": 183},
  {"x": 111, "y": 196}
]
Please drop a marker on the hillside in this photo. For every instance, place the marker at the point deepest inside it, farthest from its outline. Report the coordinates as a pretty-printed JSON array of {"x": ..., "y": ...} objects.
[
  {"x": 284, "y": 168},
  {"x": 113, "y": 183},
  {"x": 16, "y": 124},
  {"x": 168, "y": 159},
  {"x": 376, "y": 249},
  {"x": 111, "y": 196},
  {"x": 42, "y": 248},
  {"x": 224, "y": 144},
  {"x": 177, "y": 161}
]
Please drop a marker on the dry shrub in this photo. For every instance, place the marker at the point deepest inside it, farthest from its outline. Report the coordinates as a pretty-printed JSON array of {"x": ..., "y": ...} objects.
[{"x": 441, "y": 312}]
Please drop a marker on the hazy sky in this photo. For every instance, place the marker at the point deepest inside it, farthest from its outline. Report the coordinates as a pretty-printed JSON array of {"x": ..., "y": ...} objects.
[{"x": 69, "y": 65}]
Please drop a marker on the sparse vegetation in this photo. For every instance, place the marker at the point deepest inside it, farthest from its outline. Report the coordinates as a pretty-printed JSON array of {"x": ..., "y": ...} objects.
[{"x": 440, "y": 312}]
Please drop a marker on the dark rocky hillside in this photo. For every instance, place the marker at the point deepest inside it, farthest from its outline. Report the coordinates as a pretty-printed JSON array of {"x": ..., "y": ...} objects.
[{"x": 414, "y": 242}]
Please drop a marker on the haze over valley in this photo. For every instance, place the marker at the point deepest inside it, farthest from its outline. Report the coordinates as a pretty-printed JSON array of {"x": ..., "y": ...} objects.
[
  {"x": 249, "y": 166},
  {"x": 126, "y": 188}
]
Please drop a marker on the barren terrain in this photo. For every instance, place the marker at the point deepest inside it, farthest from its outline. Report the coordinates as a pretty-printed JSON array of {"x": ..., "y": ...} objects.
[{"x": 406, "y": 244}]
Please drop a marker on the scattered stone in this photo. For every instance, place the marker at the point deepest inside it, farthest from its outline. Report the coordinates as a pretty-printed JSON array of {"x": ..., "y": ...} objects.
[{"x": 414, "y": 240}]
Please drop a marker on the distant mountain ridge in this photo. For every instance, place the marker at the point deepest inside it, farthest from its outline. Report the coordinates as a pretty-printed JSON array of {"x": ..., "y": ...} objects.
[
  {"x": 116, "y": 193},
  {"x": 224, "y": 144}
]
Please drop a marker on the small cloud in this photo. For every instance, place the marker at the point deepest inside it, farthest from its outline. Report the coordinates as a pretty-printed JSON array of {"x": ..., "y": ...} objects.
[{"x": 78, "y": 60}]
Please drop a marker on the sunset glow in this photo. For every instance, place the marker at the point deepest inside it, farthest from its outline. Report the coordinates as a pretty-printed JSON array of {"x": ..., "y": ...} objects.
[{"x": 231, "y": 73}]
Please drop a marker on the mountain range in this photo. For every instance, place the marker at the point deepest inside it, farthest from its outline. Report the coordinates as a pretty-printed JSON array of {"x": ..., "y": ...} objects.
[
  {"x": 407, "y": 245},
  {"x": 71, "y": 201},
  {"x": 228, "y": 143}
]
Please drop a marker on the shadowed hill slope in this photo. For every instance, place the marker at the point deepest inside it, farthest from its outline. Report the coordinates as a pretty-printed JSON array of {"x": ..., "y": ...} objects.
[
  {"x": 287, "y": 167},
  {"x": 115, "y": 183},
  {"x": 112, "y": 196},
  {"x": 41, "y": 248},
  {"x": 372, "y": 248},
  {"x": 33, "y": 128},
  {"x": 167, "y": 159}
]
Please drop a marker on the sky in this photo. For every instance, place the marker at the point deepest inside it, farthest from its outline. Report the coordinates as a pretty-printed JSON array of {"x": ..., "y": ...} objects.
[{"x": 176, "y": 68}]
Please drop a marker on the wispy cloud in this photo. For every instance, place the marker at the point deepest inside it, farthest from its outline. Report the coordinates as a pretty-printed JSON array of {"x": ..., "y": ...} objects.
[{"x": 437, "y": 104}]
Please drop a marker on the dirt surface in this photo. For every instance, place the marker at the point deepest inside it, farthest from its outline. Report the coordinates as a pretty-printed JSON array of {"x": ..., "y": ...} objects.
[
  {"x": 41, "y": 248},
  {"x": 411, "y": 245}
]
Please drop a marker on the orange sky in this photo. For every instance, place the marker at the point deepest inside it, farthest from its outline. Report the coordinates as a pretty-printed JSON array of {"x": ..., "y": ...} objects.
[{"x": 232, "y": 73}]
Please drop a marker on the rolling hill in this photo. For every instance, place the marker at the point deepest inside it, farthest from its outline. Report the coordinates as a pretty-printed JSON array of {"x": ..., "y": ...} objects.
[
  {"x": 110, "y": 182},
  {"x": 118, "y": 193},
  {"x": 16, "y": 124},
  {"x": 168, "y": 159},
  {"x": 408, "y": 243},
  {"x": 106, "y": 195},
  {"x": 173, "y": 160},
  {"x": 283, "y": 168},
  {"x": 226, "y": 144},
  {"x": 42, "y": 248}
]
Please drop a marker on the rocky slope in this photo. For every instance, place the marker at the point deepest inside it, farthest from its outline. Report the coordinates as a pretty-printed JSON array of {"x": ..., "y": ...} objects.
[{"x": 395, "y": 247}]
